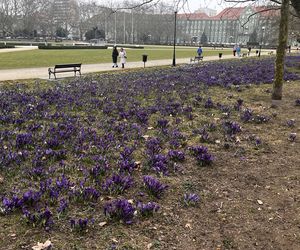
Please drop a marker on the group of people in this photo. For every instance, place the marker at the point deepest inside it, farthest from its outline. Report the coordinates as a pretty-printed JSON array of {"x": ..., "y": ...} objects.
[
  {"x": 116, "y": 54},
  {"x": 236, "y": 50}
]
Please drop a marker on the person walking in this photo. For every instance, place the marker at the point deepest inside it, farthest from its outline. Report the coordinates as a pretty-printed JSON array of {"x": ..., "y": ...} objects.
[
  {"x": 234, "y": 50},
  {"x": 238, "y": 50},
  {"x": 249, "y": 50},
  {"x": 123, "y": 57},
  {"x": 115, "y": 55},
  {"x": 199, "y": 51}
]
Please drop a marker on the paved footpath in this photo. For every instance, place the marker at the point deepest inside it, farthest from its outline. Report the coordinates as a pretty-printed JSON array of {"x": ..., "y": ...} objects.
[
  {"x": 19, "y": 48},
  {"x": 42, "y": 73}
]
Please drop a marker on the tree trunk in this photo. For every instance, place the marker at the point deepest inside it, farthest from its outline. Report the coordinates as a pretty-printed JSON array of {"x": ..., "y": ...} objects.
[{"x": 283, "y": 36}]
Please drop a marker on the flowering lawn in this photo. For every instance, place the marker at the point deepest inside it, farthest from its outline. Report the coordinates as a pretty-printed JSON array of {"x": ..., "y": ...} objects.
[{"x": 189, "y": 157}]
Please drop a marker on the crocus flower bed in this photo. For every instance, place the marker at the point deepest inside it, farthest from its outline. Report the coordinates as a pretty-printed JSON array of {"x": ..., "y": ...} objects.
[{"x": 101, "y": 141}]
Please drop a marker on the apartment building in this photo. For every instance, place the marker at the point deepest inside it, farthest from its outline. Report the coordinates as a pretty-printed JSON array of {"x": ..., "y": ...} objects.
[{"x": 230, "y": 26}]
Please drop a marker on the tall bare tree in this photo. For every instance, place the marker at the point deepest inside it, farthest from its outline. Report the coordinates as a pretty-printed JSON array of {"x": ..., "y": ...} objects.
[{"x": 286, "y": 7}]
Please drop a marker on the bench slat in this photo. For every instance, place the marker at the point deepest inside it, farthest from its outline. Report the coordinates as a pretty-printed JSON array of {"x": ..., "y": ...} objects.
[
  {"x": 59, "y": 66},
  {"x": 66, "y": 70},
  {"x": 196, "y": 58},
  {"x": 71, "y": 67}
]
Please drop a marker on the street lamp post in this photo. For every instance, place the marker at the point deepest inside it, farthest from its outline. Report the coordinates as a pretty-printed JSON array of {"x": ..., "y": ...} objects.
[
  {"x": 262, "y": 35},
  {"x": 115, "y": 27},
  {"x": 174, "y": 44}
]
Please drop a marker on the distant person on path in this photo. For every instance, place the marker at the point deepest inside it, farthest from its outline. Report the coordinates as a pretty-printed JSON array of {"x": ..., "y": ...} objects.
[
  {"x": 238, "y": 50},
  {"x": 199, "y": 51},
  {"x": 115, "y": 55},
  {"x": 234, "y": 50},
  {"x": 249, "y": 51},
  {"x": 123, "y": 57}
]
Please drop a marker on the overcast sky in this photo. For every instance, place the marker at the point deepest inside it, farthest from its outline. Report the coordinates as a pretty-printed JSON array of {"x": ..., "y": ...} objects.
[
  {"x": 190, "y": 7},
  {"x": 212, "y": 4}
]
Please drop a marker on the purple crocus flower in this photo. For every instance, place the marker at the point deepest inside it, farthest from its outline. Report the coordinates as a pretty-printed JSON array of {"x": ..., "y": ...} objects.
[
  {"x": 153, "y": 146},
  {"x": 23, "y": 140},
  {"x": 162, "y": 123},
  {"x": 159, "y": 163},
  {"x": 79, "y": 225},
  {"x": 247, "y": 115},
  {"x": 261, "y": 119},
  {"x": 176, "y": 155},
  {"x": 209, "y": 103},
  {"x": 90, "y": 194},
  {"x": 30, "y": 197},
  {"x": 63, "y": 205},
  {"x": 292, "y": 137},
  {"x": 127, "y": 166},
  {"x": 118, "y": 184},
  {"x": 291, "y": 123},
  {"x": 153, "y": 186},
  {"x": 147, "y": 209},
  {"x": 120, "y": 210},
  {"x": 191, "y": 199},
  {"x": 231, "y": 127},
  {"x": 202, "y": 155}
]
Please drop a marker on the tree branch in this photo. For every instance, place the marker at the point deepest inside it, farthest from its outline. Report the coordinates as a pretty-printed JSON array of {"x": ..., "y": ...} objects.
[
  {"x": 246, "y": 1},
  {"x": 134, "y": 6},
  {"x": 258, "y": 12},
  {"x": 239, "y": 1}
]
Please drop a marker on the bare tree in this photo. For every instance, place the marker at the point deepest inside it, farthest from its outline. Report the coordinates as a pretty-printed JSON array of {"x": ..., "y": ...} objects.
[
  {"x": 283, "y": 36},
  {"x": 285, "y": 11},
  {"x": 9, "y": 10}
]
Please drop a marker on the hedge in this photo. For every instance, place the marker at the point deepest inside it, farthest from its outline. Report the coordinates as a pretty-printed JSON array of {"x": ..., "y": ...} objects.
[
  {"x": 72, "y": 47},
  {"x": 127, "y": 46},
  {"x": 25, "y": 43},
  {"x": 3, "y": 46}
]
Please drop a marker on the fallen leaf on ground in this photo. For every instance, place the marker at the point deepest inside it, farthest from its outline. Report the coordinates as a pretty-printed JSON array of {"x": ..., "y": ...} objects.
[
  {"x": 260, "y": 202},
  {"x": 101, "y": 224},
  {"x": 43, "y": 246},
  {"x": 114, "y": 240}
]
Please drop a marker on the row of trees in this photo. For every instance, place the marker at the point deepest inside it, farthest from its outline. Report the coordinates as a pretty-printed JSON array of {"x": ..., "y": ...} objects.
[{"x": 32, "y": 18}]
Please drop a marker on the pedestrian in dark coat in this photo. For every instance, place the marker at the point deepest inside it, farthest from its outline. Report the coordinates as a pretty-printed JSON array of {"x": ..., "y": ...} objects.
[{"x": 115, "y": 55}]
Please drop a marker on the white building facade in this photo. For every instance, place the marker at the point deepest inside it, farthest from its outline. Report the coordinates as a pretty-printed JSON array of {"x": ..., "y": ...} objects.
[{"x": 230, "y": 26}]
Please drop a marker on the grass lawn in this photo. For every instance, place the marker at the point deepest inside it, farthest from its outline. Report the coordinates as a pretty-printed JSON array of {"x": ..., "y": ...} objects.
[{"x": 48, "y": 58}]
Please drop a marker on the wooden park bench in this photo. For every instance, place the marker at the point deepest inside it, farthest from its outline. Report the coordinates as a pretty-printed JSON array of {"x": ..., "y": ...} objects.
[
  {"x": 62, "y": 68},
  {"x": 196, "y": 58}
]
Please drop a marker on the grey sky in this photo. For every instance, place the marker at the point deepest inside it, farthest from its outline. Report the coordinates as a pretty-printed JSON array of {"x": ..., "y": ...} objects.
[
  {"x": 212, "y": 4},
  {"x": 190, "y": 7}
]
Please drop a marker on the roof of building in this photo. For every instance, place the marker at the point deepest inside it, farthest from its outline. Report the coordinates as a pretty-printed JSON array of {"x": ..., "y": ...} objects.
[
  {"x": 193, "y": 16},
  {"x": 268, "y": 12},
  {"x": 230, "y": 13}
]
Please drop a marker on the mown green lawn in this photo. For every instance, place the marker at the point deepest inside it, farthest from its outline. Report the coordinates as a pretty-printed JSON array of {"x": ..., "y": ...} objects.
[{"x": 47, "y": 58}]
